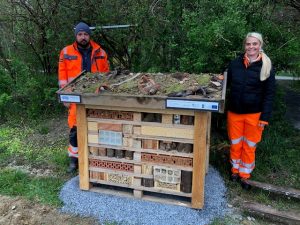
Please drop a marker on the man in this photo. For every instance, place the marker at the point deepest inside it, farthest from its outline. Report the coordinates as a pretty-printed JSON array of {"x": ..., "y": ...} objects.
[{"x": 83, "y": 54}]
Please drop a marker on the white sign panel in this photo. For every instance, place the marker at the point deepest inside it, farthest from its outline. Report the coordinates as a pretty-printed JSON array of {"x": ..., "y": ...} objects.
[
  {"x": 188, "y": 104},
  {"x": 70, "y": 98}
]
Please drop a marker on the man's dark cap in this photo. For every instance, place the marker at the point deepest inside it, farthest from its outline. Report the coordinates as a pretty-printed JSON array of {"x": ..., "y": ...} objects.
[{"x": 82, "y": 27}]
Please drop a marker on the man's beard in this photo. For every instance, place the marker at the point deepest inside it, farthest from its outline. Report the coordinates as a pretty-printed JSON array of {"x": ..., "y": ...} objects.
[{"x": 83, "y": 44}]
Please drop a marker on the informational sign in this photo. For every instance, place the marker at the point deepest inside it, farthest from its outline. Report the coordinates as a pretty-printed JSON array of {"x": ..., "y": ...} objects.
[
  {"x": 192, "y": 104},
  {"x": 70, "y": 98}
]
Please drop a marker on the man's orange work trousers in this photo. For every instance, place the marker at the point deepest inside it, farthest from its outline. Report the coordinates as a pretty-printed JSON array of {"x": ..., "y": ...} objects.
[
  {"x": 73, "y": 147},
  {"x": 244, "y": 134}
]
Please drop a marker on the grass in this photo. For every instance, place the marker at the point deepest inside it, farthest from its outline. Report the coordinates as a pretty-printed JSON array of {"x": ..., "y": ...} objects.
[
  {"x": 17, "y": 183},
  {"x": 19, "y": 148}
]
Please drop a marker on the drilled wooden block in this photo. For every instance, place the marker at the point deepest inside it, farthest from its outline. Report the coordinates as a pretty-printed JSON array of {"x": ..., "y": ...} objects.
[
  {"x": 137, "y": 117},
  {"x": 127, "y": 128},
  {"x": 137, "y": 181},
  {"x": 137, "y": 156},
  {"x": 167, "y": 118},
  {"x": 137, "y": 130},
  {"x": 109, "y": 114},
  {"x": 136, "y": 143},
  {"x": 137, "y": 169},
  {"x": 120, "y": 166},
  {"x": 97, "y": 175},
  {"x": 110, "y": 126},
  {"x": 147, "y": 169},
  {"x": 169, "y": 186},
  {"x": 166, "y": 159},
  {"x": 150, "y": 144},
  {"x": 94, "y": 150},
  {"x": 93, "y": 138},
  {"x": 137, "y": 193},
  {"x": 92, "y": 126},
  {"x": 119, "y": 178}
]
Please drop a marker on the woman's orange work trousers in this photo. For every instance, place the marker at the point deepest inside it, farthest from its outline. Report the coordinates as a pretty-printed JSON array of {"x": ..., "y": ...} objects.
[{"x": 244, "y": 134}]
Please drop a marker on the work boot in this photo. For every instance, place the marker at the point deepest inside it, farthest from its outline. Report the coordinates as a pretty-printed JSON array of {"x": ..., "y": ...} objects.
[
  {"x": 245, "y": 185},
  {"x": 73, "y": 165},
  {"x": 234, "y": 177}
]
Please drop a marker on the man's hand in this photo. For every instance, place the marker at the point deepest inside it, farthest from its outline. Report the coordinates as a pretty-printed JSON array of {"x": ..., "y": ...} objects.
[{"x": 262, "y": 124}]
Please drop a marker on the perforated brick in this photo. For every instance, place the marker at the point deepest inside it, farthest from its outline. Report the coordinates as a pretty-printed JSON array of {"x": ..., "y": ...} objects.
[{"x": 128, "y": 167}]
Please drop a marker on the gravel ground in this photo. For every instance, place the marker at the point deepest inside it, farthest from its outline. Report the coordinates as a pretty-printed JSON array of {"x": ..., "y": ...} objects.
[{"x": 108, "y": 208}]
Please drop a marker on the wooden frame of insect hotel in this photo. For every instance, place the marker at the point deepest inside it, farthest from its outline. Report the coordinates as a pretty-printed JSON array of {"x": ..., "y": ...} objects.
[{"x": 145, "y": 135}]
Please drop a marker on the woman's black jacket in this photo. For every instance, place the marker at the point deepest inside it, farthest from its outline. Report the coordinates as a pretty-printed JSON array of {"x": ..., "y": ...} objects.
[{"x": 247, "y": 93}]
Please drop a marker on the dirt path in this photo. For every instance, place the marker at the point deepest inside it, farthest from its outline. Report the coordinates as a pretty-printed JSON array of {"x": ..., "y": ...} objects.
[{"x": 17, "y": 211}]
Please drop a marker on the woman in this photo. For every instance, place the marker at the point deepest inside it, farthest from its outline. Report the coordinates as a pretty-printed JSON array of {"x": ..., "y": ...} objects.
[{"x": 251, "y": 80}]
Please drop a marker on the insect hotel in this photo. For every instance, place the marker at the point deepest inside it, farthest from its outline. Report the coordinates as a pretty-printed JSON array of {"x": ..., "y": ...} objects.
[{"x": 145, "y": 135}]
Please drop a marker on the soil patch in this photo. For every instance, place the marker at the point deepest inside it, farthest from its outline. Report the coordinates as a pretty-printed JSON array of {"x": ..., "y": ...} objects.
[
  {"x": 161, "y": 84},
  {"x": 17, "y": 211}
]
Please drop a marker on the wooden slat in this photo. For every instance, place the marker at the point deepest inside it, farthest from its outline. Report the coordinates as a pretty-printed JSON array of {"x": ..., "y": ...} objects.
[
  {"x": 199, "y": 159},
  {"x": 276, "y": 189},
  {"x": 154, "y": 124},
  {"x": 141, "y": 188},
  {"x": 208, "y": 141},
  {"x": 83, "y": 151},
  {"x": 133, "y": 109},
  {"x": 144, "y": 197},
  {"x": 137, "y": 193},
  {"x": 271, "y": 213},
  {"x": 149, "y": 102},
  {"x": 182, "y": 140},
  {"x": 166, "y": 132},
  {"x": 173, "y": 152}
]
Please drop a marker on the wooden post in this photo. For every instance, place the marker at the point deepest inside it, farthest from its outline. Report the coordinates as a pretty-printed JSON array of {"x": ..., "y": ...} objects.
[
  {"x": 200, "y": 132},
  {"x": 208, "y": 141},
  {"x": 83, "y": 153}
]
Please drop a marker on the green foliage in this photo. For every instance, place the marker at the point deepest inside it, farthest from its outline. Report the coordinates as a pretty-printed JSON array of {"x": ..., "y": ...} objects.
[
  {"x": 30, "y": 95},
  {"x": 191, "y": 36}
]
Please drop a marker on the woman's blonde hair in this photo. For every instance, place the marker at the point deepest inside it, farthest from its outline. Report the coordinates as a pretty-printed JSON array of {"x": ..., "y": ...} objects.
[{"x": 266, "y": 61}]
